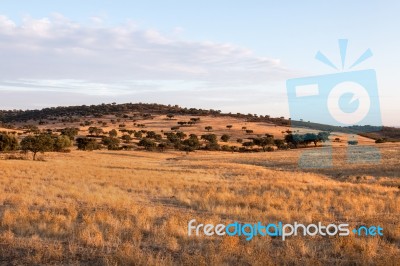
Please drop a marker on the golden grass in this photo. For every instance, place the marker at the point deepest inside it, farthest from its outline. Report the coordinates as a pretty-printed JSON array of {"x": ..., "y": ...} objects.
[
  {"x": 161, "y": 123},
  {"x": 124, "y": 208}
]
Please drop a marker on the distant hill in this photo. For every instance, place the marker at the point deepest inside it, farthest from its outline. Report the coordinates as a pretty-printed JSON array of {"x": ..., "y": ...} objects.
[{"x": 71, "y": 112}]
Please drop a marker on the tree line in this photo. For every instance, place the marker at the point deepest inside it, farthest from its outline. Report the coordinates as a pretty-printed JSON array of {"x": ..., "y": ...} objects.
[{"x": 40, "y": 142}]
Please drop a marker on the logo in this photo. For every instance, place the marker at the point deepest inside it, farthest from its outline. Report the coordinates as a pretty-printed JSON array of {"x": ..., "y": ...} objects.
[
  {"x": 260, "y": 229},
  {"x": 347, "y": 99}
]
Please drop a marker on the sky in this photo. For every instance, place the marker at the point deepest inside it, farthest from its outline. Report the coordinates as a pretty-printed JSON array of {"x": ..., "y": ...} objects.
[{"x": 234, "y": 56}]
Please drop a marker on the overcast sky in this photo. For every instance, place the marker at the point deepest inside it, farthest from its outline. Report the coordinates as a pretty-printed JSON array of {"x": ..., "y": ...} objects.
[{"x": 210, "y": 54}]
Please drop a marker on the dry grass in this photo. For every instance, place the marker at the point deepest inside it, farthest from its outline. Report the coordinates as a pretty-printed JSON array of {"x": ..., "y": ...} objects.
[
  {"x": 160, "y": 123},
  {"x": 126, "y": 208}
]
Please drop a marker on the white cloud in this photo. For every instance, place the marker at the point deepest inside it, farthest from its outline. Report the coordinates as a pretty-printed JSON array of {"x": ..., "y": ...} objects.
[
  {"x": 57, "y": 57},
  {"x": 56, "y": 48}
]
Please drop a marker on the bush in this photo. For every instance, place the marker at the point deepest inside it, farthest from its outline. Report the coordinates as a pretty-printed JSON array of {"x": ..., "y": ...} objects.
[
  {"x": 8, "y": 142},
  {"x": 61, "y": 143},
  {"x": 209, "y": 137},
  {"x": 226, "y": 148},
  {"x": 225, "y": 137},
  {"x": 87, "y": 144},
  {"x": 212, "y": 146},
  {"x": 147, "y": 143},
  {"x": 352, "y": 142},
  {"x": 383, "y": 140},
  {"x": 111, "y": 143}
]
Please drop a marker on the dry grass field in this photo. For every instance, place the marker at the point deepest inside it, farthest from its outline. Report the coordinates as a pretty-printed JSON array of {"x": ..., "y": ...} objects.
[{"x": 133, "y": 208}]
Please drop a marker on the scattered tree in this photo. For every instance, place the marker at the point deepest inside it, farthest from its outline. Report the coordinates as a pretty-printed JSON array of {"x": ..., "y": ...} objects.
[
  {"x": 37, "y": 143},
  {"x": 147, "y": 143},
  {"x": 87, "y": 144},
  {"x": 113, "y": 133},
  {"x": 62, "y": 142},
  {"x": 225, "y": 137},
  {"x": 8, "y": 142},
  {"x": 71, "y": 132},
  {"x": 111, "y": 143}
]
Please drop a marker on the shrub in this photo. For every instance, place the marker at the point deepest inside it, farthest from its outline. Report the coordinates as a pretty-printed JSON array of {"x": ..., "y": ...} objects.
[
  {"x": 87, "y": 144},
  {"x": 113, "y": 133},
  {"x": 111, "y": 143},
  {"x": 352, "y": 142},
  {"x": 8, "y": 142},
  {"x": 147, "y": 143},
  {"x": 226, "y": 148},
  {"x": 62, "y": 142},
  {"x": 225, "y": 137},
  {"x": 209, "y": 137}
]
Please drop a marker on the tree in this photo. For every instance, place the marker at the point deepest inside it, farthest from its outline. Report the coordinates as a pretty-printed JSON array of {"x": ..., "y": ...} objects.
[
  {"x": 208, "y": 128},
  {"x": 192, "y": 142},
  {"x": 8, "y": 142},
  {"x": 113, "y": 133},
  {"x": 352, "y": 142},
  {"x": 229, "y": 127},
  {"x": 71, "y": 132},
  {"x": 62, "y": 142},
  {"x": 162, "y": 146},
  {"x": 248, "y": 144},
  {"x": 263, "y": 142},
  {"x": 310, "y": 137},
  {"x": 137, "y": 134},
  {"x": 195, "y": 119},
  {"x": 87, "y": 144},
  {"x": 95, "y": 130},
  {"x": 111, "y": 143},
  {"x": 170, "y": 116},
  {"x": 323, "y": 136},
  {"x": 280, "y": 143},
  {"x": 181, "y": 135},
  {"x": 249, "y": 131},
  {"x": 294, "y": 139},
  {"x": 38, "y": 143},
  {"x": 225, "y": 137},
  {"x": 148, "y": 144},
  {"x": 209, "y": 137},
  {"x": 126, "y": 138},
  {"x": 151, "y": 134},
  {"x": 172, "y": 137}
]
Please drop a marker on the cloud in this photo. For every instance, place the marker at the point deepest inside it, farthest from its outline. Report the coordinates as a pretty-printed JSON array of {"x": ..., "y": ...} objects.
[
  {"x": 54, "y": 57},
  {"x": 57, "y": 48}
]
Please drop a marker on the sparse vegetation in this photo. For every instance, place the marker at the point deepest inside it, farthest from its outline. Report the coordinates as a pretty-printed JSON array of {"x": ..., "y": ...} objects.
[{"x": 126, "y": 206}]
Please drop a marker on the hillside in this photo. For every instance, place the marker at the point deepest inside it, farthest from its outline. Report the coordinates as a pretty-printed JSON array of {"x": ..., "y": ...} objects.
[
  {"x": 131, "y": 204},
  {"x": 138, "y": 111}
]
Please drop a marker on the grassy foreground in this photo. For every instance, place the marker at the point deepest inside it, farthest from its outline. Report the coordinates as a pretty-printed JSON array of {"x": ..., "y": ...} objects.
[{"x": 132, "y": 208}]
